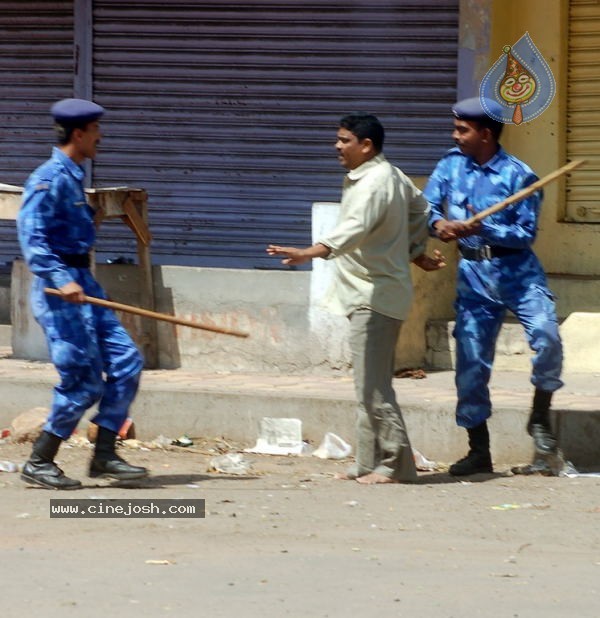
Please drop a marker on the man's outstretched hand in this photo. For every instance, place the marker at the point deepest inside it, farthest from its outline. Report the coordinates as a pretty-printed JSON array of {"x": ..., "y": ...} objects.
[{"x": 294, "y": 256}]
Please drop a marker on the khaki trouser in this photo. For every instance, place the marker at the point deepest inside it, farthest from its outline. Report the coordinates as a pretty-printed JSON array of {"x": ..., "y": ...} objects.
[{"x": 382, "y": 444}]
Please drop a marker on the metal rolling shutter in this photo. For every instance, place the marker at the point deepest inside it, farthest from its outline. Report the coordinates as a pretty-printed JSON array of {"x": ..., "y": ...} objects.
[
  {"x": 583, "y": 111},
  {"x": 226, "y": 112},
  {"x": 36, "y": 69}
]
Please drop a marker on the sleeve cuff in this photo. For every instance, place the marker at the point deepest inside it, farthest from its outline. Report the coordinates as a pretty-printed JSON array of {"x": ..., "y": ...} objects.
[
  {"x": 433, "y": 219},
  {"x": 332, "y": 251}
]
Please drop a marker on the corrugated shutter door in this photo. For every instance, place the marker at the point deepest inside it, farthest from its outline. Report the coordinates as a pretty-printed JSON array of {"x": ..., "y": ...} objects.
[
  {"x": 583, "y": 111},
  {"x": 226, "y": 112},
  {"x": 36, "y": 69}
]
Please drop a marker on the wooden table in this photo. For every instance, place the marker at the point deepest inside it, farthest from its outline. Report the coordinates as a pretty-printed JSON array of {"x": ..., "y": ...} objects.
[{"x": 131, "y": 206}]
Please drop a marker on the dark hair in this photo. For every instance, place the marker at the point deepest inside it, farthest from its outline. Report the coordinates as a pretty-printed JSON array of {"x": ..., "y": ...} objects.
[
  {"x": 493, "y": 125},
  {"x": 365, "y": 126},
  {"x": 63, "y": 132}
]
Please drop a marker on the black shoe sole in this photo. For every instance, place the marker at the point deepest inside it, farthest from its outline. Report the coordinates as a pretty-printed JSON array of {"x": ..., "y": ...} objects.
[
  {"x": 127, "y": 476},
  {"x": 31, "y": 480}
]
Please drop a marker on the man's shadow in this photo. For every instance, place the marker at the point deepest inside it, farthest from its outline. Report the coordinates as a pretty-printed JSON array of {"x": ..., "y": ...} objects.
[
  {"x": 162, "y": 481},
  {"x": 441, "y": 478}
]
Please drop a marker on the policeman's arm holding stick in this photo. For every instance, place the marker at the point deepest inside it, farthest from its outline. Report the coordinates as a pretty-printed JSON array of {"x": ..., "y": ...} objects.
[{"x": 448, "y": 230}]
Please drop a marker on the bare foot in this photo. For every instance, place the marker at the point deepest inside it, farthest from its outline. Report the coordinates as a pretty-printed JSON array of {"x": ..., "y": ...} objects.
[
  {"x": 374, "y": 479},
  {"x": 344, "y": 476}
]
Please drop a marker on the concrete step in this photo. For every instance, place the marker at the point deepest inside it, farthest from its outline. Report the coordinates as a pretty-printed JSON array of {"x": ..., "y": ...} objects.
[
  {"x": 175, "y": 402},
  {"x": 5, "y": 335}
]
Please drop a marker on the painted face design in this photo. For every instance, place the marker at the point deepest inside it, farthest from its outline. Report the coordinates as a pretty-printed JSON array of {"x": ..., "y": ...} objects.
[
  {"x": 517, "y": 86},
  {"x": 517, "y": 89}
]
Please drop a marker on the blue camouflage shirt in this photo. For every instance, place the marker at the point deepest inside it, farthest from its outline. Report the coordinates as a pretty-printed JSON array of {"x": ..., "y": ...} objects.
[
  {"x": 458, "y": 181},
  {"x": 55, "y": 218}
]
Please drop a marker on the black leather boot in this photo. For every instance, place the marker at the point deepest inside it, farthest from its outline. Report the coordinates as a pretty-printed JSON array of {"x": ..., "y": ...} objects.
[
  {"x": 479, "y": 458},
  {"x": 40, "y": 469},
  {"x": 108, "y": 464},
  {"x": 539, "y": 426}
]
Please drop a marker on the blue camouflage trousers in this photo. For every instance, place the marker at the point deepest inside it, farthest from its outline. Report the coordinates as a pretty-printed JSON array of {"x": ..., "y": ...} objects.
[
  {"x": 486, "y": 289},
  {"x": 96, "y": 359}
]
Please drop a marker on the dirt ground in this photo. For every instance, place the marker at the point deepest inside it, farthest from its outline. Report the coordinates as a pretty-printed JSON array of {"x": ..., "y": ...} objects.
[{"x": 287, "y": 539}]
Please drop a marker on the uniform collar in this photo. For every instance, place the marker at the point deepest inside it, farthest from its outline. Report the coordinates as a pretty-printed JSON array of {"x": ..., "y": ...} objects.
[
  {"x": 494, "y": 164},
  {"x": 75, "y": 170},
  {"x": 361, "y": 170}
]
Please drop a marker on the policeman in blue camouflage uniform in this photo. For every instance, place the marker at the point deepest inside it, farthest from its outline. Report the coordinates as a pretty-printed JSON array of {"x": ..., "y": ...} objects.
[
  {"x": 56, "y": 232},
  {"x": 497, "y": 271}
]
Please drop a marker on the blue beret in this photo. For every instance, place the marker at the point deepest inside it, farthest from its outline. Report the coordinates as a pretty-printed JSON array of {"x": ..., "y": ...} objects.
[
  {"x": 76, "y": 111},
  {"x": 477, "y": 108}
]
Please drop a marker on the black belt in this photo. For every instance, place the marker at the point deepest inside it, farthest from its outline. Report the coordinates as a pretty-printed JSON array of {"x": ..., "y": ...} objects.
[
  {"x": 76, "y": 260},
  {"x": 486, "y": 252}
]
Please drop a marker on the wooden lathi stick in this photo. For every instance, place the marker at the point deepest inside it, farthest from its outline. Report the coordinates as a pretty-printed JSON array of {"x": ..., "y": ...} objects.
[
  {"x": 526, "y": 192},
  {"x": 154, "y": 315}
]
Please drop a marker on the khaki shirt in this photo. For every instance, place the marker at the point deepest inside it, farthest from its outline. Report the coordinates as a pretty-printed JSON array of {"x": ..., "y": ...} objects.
[{"x": 382, "y": 226}]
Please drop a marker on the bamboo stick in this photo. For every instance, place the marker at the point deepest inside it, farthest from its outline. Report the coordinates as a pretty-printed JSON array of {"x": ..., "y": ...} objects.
[
  {"x": 526, "y": 192},
  {"x": 153, "y": 315}
]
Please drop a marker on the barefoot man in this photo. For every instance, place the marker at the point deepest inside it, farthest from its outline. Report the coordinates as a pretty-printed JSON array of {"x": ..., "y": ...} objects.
[{"x": 381, "y": 229}]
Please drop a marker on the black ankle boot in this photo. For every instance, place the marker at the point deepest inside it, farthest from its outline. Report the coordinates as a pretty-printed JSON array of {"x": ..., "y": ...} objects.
[
  {"x": 479, "y": 458},
  {"x": 108, "y": 464},
  {"x": 539, "y": 426},
  {"x": 40, "y": 469}
]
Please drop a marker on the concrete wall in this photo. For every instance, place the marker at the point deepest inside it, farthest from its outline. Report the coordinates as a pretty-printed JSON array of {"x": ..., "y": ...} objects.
[{"x": 272, "y": 306}]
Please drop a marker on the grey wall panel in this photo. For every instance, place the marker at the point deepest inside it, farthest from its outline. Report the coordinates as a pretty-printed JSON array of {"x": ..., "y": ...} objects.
[
  {"x": 226, "y": 112},
  {"x": 36, "y": 69}
]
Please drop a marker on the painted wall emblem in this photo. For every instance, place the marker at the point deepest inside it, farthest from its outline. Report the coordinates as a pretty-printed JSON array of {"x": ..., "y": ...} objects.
[{"x": 520, "y": 81}]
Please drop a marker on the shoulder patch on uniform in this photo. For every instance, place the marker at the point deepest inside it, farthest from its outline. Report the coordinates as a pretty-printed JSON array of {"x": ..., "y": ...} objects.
[
  {"x": 453, "y": 152},
  {"x": 42, "y": 186}
]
